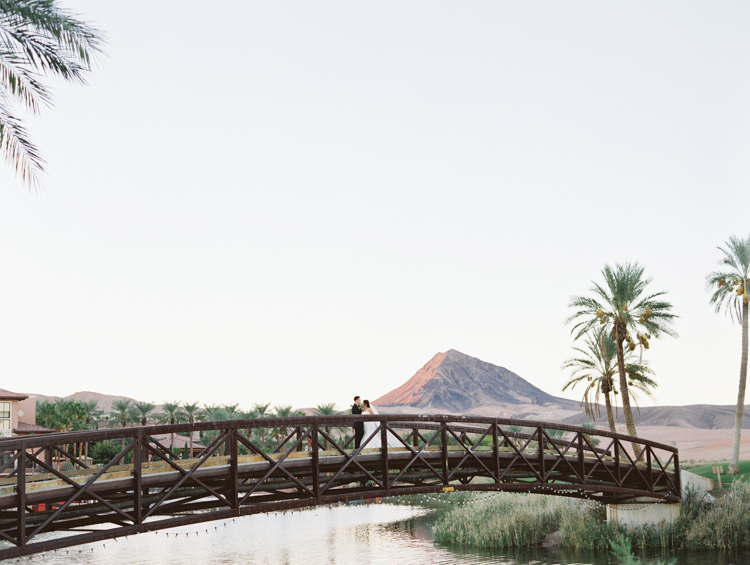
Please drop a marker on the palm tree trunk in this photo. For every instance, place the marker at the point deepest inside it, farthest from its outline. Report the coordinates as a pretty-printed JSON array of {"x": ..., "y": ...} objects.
[
  {"x": 610, "y": 413},
  {"x": 734, "y": 467},
  {"x": 626, "y": 410}
]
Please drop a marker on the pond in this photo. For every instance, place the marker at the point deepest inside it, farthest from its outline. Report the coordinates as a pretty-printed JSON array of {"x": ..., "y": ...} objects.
[{"x": 376, "y": 534}]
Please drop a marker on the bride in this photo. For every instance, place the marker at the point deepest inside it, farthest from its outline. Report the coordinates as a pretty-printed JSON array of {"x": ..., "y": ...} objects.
[{"x": 370, "y": 427}]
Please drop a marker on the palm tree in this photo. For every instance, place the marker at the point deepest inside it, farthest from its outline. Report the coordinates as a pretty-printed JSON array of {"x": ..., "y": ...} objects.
[
  {"x": 122, "y": 414},
  {"x": 172, "y": 414},
  {"x": 284, "y": 411},
  {"x": 192, "y": 415},
  {"x": 622, "y": 306},
  {"x": 597, "y": 366},
  {"x": 730, "y": 289},
  {"x": 37, "y": 39},
  {"x": 91, "y": 411},
  {"x": 327, "y": 410},
  {"x": 214, "y": 413},
  {"x": 143, "y": 411},
  {"x": 261, "y": 411}
]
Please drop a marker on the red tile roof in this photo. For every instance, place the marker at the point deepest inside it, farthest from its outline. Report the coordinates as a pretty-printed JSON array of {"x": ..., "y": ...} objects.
[
  {"x": 31, "y": 429},
  {"x": 179, "y": 441},
  {"x": 8, "y": 395}
]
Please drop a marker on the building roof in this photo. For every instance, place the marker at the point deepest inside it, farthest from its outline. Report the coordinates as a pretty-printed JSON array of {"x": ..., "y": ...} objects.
[
  {"x": 31, "y": 429},
  {"x": 179, "y": 441},
  {"x": 8, "y": 395}
]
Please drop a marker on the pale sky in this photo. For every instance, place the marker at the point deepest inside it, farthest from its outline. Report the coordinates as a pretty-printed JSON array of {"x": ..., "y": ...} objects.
[{"x": 298, "y": 202}]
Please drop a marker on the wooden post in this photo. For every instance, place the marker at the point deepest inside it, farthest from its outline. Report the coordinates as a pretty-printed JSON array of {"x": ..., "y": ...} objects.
[
  {"x": 49, "y": 460},
  {"x": 315, "y": 455},
  {"x": 617, "y": 462},
  {"x": 137, "y": 483},
  {"x": 540, "y": 437},
  {"x": 21, "y": 493},
  {"x": 718, "y": 470},
  {"x": 234, "y": 454},
  {"x": 495, "y": 450},
  {"x": 384, "y": 452},
  {"x": 581, "y": 461},
  {"x": 444, "y": 445}
]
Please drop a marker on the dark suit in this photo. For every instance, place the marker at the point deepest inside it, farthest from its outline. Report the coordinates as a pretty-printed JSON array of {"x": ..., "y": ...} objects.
[{"x": 359, "y": 427}]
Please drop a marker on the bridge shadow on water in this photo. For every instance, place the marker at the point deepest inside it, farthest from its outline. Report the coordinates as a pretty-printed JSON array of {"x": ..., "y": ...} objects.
[{"x": 267, "y": 465}]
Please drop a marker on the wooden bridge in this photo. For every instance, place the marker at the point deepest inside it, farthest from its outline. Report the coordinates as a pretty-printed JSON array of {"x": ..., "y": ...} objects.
[{"x": 265, "y": 465}]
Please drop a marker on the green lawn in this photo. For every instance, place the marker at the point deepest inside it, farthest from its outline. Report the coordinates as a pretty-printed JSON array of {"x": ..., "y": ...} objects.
[{"x": 726, "y": 480}]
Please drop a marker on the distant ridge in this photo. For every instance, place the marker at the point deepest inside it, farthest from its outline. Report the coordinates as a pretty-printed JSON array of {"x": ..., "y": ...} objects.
[
  {"x": 105, "y": 400},
  {"x": 703, "y": 416},
  {"x": 456, "y": 382}
]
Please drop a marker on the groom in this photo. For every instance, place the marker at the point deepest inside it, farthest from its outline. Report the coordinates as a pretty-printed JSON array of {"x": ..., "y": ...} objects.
[{"x": 359, "y": 427}]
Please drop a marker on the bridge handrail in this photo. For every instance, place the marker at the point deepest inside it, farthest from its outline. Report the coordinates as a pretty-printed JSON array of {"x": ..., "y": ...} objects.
[{"x": 28, "y": 442}]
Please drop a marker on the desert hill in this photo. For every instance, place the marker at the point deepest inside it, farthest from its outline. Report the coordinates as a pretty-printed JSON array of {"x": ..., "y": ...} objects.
[
  {"x": 457, "y": 383},
  {"x": 702, "y": 416},
  {"x": 105, "y": 400}
]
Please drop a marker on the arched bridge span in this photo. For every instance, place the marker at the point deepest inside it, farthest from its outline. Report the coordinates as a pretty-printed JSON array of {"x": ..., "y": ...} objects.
[{"x": 265, "y": 465}]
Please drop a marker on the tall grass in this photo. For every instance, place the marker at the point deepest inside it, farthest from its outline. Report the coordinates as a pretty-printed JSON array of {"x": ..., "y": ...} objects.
[
  {"x": 507, "y": 520},
  {"x": 726, "y": 524},
  {"x": 523, "y": 520}
]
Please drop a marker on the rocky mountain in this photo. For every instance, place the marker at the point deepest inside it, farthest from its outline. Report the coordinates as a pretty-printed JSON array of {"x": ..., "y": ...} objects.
[{"x": 457, "y": 383}]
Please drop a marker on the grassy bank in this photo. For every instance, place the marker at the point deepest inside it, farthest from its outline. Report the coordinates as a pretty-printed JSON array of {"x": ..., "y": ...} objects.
[
  {"x": 523, "y": 520},
  {"x": 726, "y": 480}
]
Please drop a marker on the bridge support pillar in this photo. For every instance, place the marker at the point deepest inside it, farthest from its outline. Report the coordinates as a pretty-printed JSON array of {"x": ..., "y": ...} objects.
[{"x": 643, "y": 513}]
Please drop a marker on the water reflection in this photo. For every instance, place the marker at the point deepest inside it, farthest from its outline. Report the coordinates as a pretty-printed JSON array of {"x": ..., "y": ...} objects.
[{"x": 346, "y": 535}]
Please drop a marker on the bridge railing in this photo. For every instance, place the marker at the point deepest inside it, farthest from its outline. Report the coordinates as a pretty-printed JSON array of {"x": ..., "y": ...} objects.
[{"x": 236, "y": 467}]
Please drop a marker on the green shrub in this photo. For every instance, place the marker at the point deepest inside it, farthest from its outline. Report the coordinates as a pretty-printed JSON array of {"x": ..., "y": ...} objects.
[{"x": 103, "y": 452}]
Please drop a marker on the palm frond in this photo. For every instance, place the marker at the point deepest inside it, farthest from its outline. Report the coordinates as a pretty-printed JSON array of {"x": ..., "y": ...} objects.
[{"x": 37, "y": 39}]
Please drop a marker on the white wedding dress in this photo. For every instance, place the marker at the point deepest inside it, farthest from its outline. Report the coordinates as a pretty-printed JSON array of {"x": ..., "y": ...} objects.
[{"x": 375, "y": 442}]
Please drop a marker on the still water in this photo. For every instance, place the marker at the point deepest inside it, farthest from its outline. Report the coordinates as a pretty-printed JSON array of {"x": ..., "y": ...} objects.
[{"x": 363, "y": 535}]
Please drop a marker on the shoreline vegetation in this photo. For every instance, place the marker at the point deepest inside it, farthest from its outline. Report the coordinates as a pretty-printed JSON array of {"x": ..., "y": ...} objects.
[{"x": 510, "y": 520}]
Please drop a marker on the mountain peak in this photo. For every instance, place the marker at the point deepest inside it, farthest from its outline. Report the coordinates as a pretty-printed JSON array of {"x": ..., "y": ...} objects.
[{"x": 457, "y": 382}]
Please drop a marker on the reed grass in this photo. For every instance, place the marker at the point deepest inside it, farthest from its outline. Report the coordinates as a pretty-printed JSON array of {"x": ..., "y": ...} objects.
[
  {"x": 726, "y": 524},
  {"x": 506, "y": 520},
  {"x": 522, "y": 520}
]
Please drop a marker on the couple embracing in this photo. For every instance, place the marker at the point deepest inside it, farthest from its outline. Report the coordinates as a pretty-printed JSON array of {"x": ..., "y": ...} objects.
[{"x": 367, "y": 429}]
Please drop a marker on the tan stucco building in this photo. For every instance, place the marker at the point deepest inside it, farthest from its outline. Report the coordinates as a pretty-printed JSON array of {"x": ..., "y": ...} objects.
[{"x": 18, "y": 414}]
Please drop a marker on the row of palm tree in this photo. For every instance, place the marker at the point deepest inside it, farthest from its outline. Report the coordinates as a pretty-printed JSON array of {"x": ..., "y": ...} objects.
[
  {"x": 126, "y": 412},
  {"x": 69, "y": 415},
  {"x": 611, "y": 362}
]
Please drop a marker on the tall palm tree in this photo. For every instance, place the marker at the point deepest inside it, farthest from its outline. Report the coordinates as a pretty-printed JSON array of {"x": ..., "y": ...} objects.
[
  {"x": 284, "y": 411},
  {"x": 597, "y": 366},
  {"x": 731, "y": 288},
  {"x": 622, "y": 306},
  {"x": 214, "y": 413},
  {"x": 261, "y": 410},
  {"x": 143, "y": 411},
  {"x": 327, "y": 410},
  {"x": 37, "y": 39},
  {"x": 91, "y": 412},
  {"x": 172, "y": 414},
  {"x": 121, "y": 413},
  {"x": 192, "y": 414}
]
